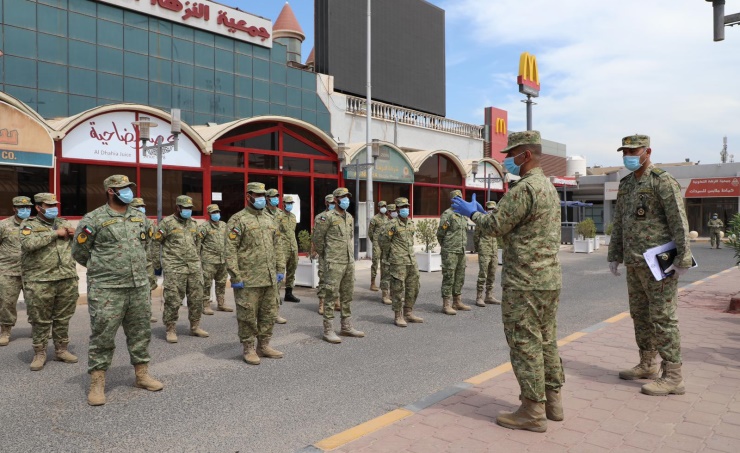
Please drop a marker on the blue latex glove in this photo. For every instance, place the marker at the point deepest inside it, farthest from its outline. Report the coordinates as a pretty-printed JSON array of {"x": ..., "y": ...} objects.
[
  {"x": 158, "y": 272},
  {"x": 239, "y": 285},
  {"x": 280, "y": 277},
  {"x": 466, "y": 208}
]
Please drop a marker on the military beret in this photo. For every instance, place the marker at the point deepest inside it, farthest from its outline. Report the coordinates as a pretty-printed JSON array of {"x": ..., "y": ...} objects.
[
  {"x": 272, "y": 193},
  {"x": 211, "y": 208},
  {"x": 137, "y": 202},
  {"x": 341, "y": 192},
  {"x": 288, "y": 199},
  {"x": 391, "y": 207},
  {"x": 22, "y": 201},
  {"x": 256, "y": 187},
  {"x": 455, "y": 193},
  {"x": 401, "y": 202},
  {"x": 47, "y": 198},
  {"x": 382, "y": 203},
  {"x": 117, "y": 181},
  {"x": 635, "y": 141},
  {"x": 184, "y": 201},
  {"x": 522, "y": 138},
  {"x": 490, "y": 204}
]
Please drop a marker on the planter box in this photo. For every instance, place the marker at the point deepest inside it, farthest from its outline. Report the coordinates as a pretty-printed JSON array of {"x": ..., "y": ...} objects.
[
  {"x": 500, "y": 257},
  {"x": 607, "y": 239},
  {"x": 597, "y": 242},
  {"x": 429, "y": 262},
  {"x": 307, "y": 273},
  {"x": 583, "y": 245}
]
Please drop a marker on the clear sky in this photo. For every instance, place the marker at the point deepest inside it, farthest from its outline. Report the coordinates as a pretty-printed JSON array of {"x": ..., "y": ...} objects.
[{"x": 607, "y": 69}]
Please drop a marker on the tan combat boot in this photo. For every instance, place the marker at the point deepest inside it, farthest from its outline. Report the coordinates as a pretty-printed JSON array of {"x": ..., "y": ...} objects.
[
  {"x": 530, "y": 416},
  {"x": 39, "y": 358},
  {"x": 321, "y": 305},
  {"x": 144, "y": 381},
  {"x": 171, "y": 333},
  {"x": 479, "y": 299},
  {"x": 221, "y": 305},
  {"x": 96, "y": 395},
  {"x": 62, "y": 354},
  {"x": 373, "y": 286},
  {"x": 447, "y": 306},
  {"x": 646, "y": 369},
  {"x": 329, "y": 334},
  {"x": 196, "y": 331},
  {"x": 152, "y": 319},
  {"x": 337, "y": 305},
  {"x": 490, "y": 298},
  {"x": 5, "y": 335},
  {"x": 250, "y": 355},
  {"x": 408, "y": 313},
  {"x": 207, "y": 307},
  {"x": 400, "y": 321},
  {"x": 386, "y": 295},
  {"x": 554, "y": 405},
  {"x": 279, "y": 319},
  {"x": 671, "y": 382},
  {"x": 458, "y": 304},
  {"x": 349, "y": 331},
  {"x": 264, "y": 349}
]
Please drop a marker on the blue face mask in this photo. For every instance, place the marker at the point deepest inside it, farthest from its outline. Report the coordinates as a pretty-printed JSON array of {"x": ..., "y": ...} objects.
[
  {"x": 331, "y": 207},
  {"x": 126, "y": 195},
  {"x": 259, "y": 203},
  {"x": 186, "y": 213},
  {"x": 404, "y": 212},
  {"x": 51, "y": 213},
  {"x": 216, "y": 217},
  {"x": 344, "y": 203},
  {"x": 289, "y": 207},
  {"x": 274, "y": 201},
  {"x": 141, "y": 208},
  {"x": 511, "y": 167},
  {"x": 24, "y": 213},
  {"x": 632, "y": 163},
  {"x": 383, "y": 210}
]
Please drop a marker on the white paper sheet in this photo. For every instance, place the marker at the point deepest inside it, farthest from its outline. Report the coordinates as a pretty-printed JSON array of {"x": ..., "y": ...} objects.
[{"x": 651, "y": 258}]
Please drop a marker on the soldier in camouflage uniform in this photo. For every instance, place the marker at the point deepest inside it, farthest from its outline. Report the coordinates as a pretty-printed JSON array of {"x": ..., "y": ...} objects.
[
  {"x": 650, "y": 212},
  {"x": 212, "y": 235},
  {"x": 288, "y": 224},
  {"x": 715, "y": 228},
  {"x": 376, "y": 225},
  {"x": 452, "y": 236},
  {"x": 397, "y": 244},
  {"x": 487, "y": 248},
  {"x": 528, "y": 221},
  {"x": 111, "y": 242},
  {"x": 49, "y": 279},
  {"x": 385, "y": 275},
  {"x": 333, "y": 240},
  {"x": 152, "y": 250},
  {"x": 183, "y": 275},
  {"x": 256, "y": 264},
  {"x": 321, "y": 293},
  {"x": 272, "y": 210},
  {"x": 10, "y": 266}
]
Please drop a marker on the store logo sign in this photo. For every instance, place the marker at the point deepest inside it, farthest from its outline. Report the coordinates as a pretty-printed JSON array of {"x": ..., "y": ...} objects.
[
  {"x": 500, "y": 126},
  {"x": 529, "y": 75}
]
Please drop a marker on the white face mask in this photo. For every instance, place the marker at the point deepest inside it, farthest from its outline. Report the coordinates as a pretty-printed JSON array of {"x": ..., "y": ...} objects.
[{"x": 394, "y": 214}]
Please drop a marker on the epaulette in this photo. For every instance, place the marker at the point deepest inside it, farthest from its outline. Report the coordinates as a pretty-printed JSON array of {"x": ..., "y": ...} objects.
[
  {"x": 625, "y": 177},
  {"x": 657, "y": 171}
]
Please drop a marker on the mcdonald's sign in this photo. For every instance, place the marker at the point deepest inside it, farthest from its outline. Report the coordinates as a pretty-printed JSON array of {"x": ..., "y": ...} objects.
[
  {"x": 500, "y": 126},
  {"x": 529, "y": 75}
]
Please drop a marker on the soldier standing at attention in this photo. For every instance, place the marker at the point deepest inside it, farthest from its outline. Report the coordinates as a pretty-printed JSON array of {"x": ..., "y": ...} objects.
[
  {"x": 49, "y": 279},
  {"x": 397, "y": 243},
  {"x": 152, "y": 249},
  {"x": 276, "y": 214},
  {"x": 287, "y": 230},
  {"x": 650, "y": 212},
  {"x": 212, "y": 235},
  {"x": 256, "y": 264},
  {"x": 385, "y": 276},
  {"x": 183, "y": 275},
  {"x": 329, "y": 203},
  {"x": 333, "y": 240},
  {"x": 10, "y": 266},
  {"x": 528, "y": 221},
  {"x": 452, "y": 236},
  {"x": 715, "y": 228},
  {"x": 373, "y": 230},
  {"x": 111, "y": 242},
  {"x": 487, "y": 248}
]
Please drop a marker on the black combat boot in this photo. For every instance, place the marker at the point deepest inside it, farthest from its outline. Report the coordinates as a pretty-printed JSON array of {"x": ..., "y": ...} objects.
[{"x": 289, "y": 297}]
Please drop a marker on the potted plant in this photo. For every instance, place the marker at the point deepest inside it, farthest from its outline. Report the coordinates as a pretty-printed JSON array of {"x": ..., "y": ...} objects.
[
  {"x": 426, "y": 232},
  {"x": 608, "y": 232},
  {"x": 733, "y": 236},
  {"x": 586, "y": 230},
  {"x": 307, "y": 272}
]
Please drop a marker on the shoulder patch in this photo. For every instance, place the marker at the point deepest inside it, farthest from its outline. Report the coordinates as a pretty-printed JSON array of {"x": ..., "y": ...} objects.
[
  {"x": 322, "y": 218},
  {"x": 87, "y": 230},
  {"x": 81, "y": 238},
  {"x": 26, "y": 230},
  {"x": 657, "y": 171}
]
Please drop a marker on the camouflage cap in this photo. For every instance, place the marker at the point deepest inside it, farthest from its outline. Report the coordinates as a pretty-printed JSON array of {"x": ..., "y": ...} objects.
[
  {"x": 341, "y": 192},
  {"x": 184, "y": 201},
  {"x": 117, "y": 181},
  {"x": 137, "y": 202},
  {"x": 391, "y": 207},
  {"x": 288, "y": 199},
  {"x": 256, "y": 187},
  {"x": 211, "y": 208},
  {"x": 329, "y": 198},
  {"x": 382, "y": 203},
  {"x": 455, "y": 193},
  {"x": 490, "y": 204},
  {"x": 272, "y": 193},
  {"x": 714, "y": 213},
  {"x": 401, "y": 202},
  {"x": 22, "y": 201},
  {"x": 44, "y": 197},
  {"x": 522, "y": 138},
  {"x": 635, "y": 141}
]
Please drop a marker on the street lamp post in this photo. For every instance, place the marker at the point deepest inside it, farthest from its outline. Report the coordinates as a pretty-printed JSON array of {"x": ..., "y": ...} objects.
[{"x": 488, "y": 179}]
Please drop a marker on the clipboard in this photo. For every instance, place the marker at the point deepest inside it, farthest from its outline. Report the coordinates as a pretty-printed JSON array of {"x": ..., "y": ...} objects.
[{"x": 661, "y": 257}]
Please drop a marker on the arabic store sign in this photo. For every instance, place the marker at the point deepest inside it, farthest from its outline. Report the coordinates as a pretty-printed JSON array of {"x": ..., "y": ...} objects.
[
  {"x": 206, "y": 15},
  {"x": 389, "y": 167},
  {"x": 23, "y": 141},
  {"x": 714, "y": 187},
  {"x": 110, "y": 137}
]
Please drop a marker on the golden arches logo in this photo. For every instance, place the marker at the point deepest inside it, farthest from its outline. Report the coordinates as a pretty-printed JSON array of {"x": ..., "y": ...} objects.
[
  {"x": 500, "y": 126},
  {"x": 529, "y": 75}
]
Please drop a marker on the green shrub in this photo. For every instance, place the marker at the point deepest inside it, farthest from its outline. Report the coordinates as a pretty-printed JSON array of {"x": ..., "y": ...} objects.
[
  {"x": 586, "y": 228},
  {"x": 609, "y": 228},
  {"x": 426, "y": 230},
  {"x": 733, "y": 236},
  {"x": 304, "y": 241}
]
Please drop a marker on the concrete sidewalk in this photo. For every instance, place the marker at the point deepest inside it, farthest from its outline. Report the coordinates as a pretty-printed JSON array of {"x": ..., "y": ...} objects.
[{"x": 602, "y": 412}]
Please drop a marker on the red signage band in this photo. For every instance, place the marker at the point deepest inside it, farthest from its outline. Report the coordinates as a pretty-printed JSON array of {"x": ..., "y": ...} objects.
[{"x": 713, "y": 188}]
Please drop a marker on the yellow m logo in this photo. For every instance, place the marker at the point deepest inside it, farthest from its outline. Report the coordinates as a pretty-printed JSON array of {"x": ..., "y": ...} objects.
[
  {"x": 500, "y": 126},
  {"x": 528, "y": 68}
]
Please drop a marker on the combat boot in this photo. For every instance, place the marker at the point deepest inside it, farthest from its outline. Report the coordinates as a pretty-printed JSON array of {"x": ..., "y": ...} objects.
[
  {"x": 530, "y": 416},
  {"x": 5, "y": 335},
  {"x": 386, "y": 295},
  {"x": 479, "y": 299},
  {"x": 447, "y": 307},
  {"x": 408, "y": 313},
  {"x": 152, "y": 319},
  {"x": 490, "y": 298},
  {"x": 646, "y": 369},
  {"x": 289, "y": 297},
  {"x": 62, "y": 354},
  {"x": 207, "y": 307},
  {"x": 399, "y": 320},
  {"x": 321, "y": 305},
  {"x": 337, "y": 305},
  {"x": 221, "y": 306},
  {"x": 250, "y": 355},
  {"x": 264, "y": 349},
  {"x": 96, "y": 395},
  {"x": 373, "y": 286},
  {"x": 329, "y": 334},
  {"x": 171, "y": 333},
  {"x": 196, "y": 331},
  {"x": 39, "y": 358},
  {"x": 349, "y": 331},
  {"x": 554, "y": 405},
  {"x": 144, "y": 381},
  {"x": 279, "y": 319},
  {"x": 457, "y": 304},
  {"x": 670, "y": 382}
]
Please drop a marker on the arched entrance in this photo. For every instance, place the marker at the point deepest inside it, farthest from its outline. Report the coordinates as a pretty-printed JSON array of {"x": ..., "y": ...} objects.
[{"x": 436, "y": 174}]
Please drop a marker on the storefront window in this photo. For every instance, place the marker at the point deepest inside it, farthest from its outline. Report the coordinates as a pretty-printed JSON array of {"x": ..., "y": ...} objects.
[
  {"x": 82, "y": 186},
  {"x": 433, "y": 182},
  {"x": 263, "y": 161},
  {"x": 18, "y": 181},
  {"x": 426, "y": 201},
  {"x": 227, "y": 159},
  {"x": 174, "y": 183},
  {"x": 325, "y": 167},
  {"x": 295, "y": 164}
]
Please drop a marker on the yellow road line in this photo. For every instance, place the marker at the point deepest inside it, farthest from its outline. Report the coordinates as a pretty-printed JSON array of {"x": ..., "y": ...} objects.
[
  {"x": 345, "y": 437},
  {"x": 571, "y": 337},
  {"x": 490, "y": 374},
  {"x": 618, "y": 317}
]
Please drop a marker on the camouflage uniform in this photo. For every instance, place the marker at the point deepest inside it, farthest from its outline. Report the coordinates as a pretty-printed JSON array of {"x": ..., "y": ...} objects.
[
  {"x": 528, "y": 221},
  {"x": 452, "y": 236},
  {"x": 321, "y": 292},
  {"x": 10, "y": 269},
  {"x": 385, "y": 276},
  {"x": 276, "y": 214},
  {"x": 373, "y": 231},
  {"x": 288, "y": 223},
  {"x": 715, "y": 228},
  {"x": 152, "y": 251},
  {"x": 397, "y": 244},
  {"x": 487, "y": 248},
  {"x": 49, "y": 276},
  {"x": 212, "y": 251}
]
